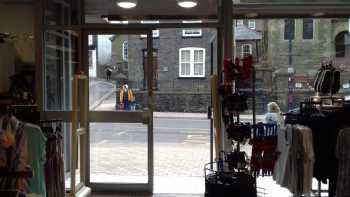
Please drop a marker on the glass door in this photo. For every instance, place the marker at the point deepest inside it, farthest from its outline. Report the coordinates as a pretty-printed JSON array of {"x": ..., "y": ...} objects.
[{"x": 121, "y": 114}]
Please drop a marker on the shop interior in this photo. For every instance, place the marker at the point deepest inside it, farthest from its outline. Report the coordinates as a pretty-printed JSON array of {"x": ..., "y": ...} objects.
[{"x": 211, "y": 98}]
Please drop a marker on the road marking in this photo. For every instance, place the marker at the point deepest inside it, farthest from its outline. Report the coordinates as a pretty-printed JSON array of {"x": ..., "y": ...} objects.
[
  {"x": 102, "y": 142},
  {"x": 119, "y": 133}
]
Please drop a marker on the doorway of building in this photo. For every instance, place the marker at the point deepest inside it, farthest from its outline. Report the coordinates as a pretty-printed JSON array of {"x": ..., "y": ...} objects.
[
  {"x": 120, "y": 130},
  {"x": 181, "y": 90}
]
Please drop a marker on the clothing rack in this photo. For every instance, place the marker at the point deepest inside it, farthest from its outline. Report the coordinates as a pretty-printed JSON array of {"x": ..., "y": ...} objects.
[
  {"x": 318, "y": 103},
  {"x": 16, "y": 174},
  {"x": 27, "y": 113}
]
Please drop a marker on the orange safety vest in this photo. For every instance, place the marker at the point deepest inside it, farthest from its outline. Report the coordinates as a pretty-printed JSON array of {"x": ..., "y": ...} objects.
[{"x": 131, "y": 97}]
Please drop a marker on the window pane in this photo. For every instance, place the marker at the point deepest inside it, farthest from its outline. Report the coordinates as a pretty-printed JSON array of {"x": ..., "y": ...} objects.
[
  {"x": 198, "y": 55},
  {"x": 185, "y": 69},
  {"x": 198, "y": 68},
  {"x": 289, "y": 28},
  {"x": 118, "y": 153},
  {"x": 185, "y": 56},
  {"x": 308, "y": 28},
  {"x": 188, "y": 69},
  {"x": 62, "y": 12},
  {"x": 251, "y": 24},
  {"x": 61, "y": 60}
]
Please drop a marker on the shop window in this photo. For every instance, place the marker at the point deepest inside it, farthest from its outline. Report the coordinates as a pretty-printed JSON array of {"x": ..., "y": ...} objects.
[
  {"x": 308, "y": 29},
  {"x": 125, "y": 51},
  {"x": 154, "y": 32},
  {"x": 193, "y": 32},
  {"x": 251, "y": 24},
  {"x": 289, "y": 29},
  {"x": 247, "y": 49},
  {"x": 192, "y": 62}
]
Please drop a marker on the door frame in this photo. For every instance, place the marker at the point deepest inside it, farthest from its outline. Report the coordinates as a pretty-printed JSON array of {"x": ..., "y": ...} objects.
[{"x": 145, "y": 117}]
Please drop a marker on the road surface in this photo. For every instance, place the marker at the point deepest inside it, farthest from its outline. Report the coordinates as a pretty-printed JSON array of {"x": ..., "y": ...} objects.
[{"x": 165, "y": 131}]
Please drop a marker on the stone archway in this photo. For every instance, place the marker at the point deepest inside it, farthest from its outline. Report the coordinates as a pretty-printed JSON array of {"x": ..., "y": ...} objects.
[
  {"x": 342, "y": 48},
  {"x": 342, "y": 55}
]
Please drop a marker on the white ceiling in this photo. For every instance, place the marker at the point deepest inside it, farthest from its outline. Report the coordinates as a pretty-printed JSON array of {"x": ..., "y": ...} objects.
[{"x": 166, "y": 9}]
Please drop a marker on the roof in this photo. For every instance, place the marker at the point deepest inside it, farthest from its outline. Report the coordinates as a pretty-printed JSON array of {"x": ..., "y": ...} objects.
[{"x": 242, "y": 32}]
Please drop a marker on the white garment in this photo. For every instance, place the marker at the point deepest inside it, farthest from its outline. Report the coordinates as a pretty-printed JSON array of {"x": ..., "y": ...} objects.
[
  {"x": 284, "y": 141},
  {"x": 294, "y": 167},
  {"x": 309, "y": 158}
]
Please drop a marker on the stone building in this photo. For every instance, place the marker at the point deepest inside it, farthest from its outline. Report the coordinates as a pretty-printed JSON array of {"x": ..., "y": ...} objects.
[
  {"x": 295, "y": 50},
  {"x": 182, "y": 63}
]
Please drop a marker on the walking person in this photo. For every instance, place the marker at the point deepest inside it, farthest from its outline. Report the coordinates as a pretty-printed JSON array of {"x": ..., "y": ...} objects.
[{"x": 108, "y": 74}]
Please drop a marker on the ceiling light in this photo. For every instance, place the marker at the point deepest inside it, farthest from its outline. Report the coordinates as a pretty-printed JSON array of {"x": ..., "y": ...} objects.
[
  {"x": 187, "y": 3},
  {"x": 127, "y": 4},
  {"x": 318, "y": 14}
]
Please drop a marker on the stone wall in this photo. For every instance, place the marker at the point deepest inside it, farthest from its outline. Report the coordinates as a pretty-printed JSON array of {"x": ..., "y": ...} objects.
[{"x": 167, "y": 46}]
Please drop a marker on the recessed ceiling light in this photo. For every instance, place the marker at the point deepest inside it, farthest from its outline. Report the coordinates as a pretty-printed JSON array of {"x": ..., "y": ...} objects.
[
  {"x": 127, "y": 4},
  {"x": 187, "y": 3},
  {"x": 318, "y": 14}
]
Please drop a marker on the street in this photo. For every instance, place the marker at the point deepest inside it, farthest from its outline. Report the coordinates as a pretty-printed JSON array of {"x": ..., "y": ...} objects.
[{"x": 165, "y": 131}]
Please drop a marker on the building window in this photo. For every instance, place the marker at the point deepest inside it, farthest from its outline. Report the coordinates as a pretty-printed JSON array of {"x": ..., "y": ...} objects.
[
  {"x": 308, "y": 29},
  {"x": 192, "y": 62},
  {"x": 125, "y": 51},
  {"x": 251, "y": 24},
  {"x": 289, "y": 29},
  {"x": 239, "y": 22},
  {"x": 154, "y": 32},
  {"x": 346, "y": 85},
  {"x": 247, "y": 49},
  {"x": 342, "y": 44},
  {"x": 193, "y": 32},
  {"x": 299, "y": 85}
]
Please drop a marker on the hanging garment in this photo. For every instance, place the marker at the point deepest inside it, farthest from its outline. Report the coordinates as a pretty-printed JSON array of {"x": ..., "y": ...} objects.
[
  {"x": 37, "y": 157},
  {"x": 284, "y": 142},
  {"x": 343, "y": 154},
  {"x": 309, "y": 158},
  {"x": 54, "y": 166},
  {"x": 14, "y": 158},
  {"x": 294, "y": 168},
  {"x": 264, "y": 153}
]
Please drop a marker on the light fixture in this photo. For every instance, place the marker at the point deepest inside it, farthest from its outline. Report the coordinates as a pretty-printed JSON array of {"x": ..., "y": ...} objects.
[
  {"x": 187, "y": 3},
  {"x": 127, "y": 4},
  {"x": 318, "y": 14}
]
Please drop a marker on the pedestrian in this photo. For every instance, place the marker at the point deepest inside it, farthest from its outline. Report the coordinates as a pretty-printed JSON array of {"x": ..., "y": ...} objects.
[
  {"x": 274, "y": 115},
  {"x": 108, "y": 74},
  {"x": 126, "y": 97}
]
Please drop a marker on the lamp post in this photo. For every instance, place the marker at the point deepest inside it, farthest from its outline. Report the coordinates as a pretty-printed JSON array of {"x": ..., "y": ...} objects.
[{"x": 291, "y": 70}]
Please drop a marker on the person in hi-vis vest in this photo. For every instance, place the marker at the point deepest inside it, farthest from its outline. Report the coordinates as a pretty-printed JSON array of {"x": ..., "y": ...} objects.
[{"x": 126, "y": 97}]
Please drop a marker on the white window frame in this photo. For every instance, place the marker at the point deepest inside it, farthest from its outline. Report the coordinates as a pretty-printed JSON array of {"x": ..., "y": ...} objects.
[
  {"x": 298, "y": 85},
  {"x": 251, "y": 24},
  {"x": 193, "y": 32},
  {"x": 125, "y": 50},
  {"x": 239, "y": 22},
  {"x": 154, "y": 32},
  {"x": 192, "y": 50},
  {"x": 250, "y": 49}
]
